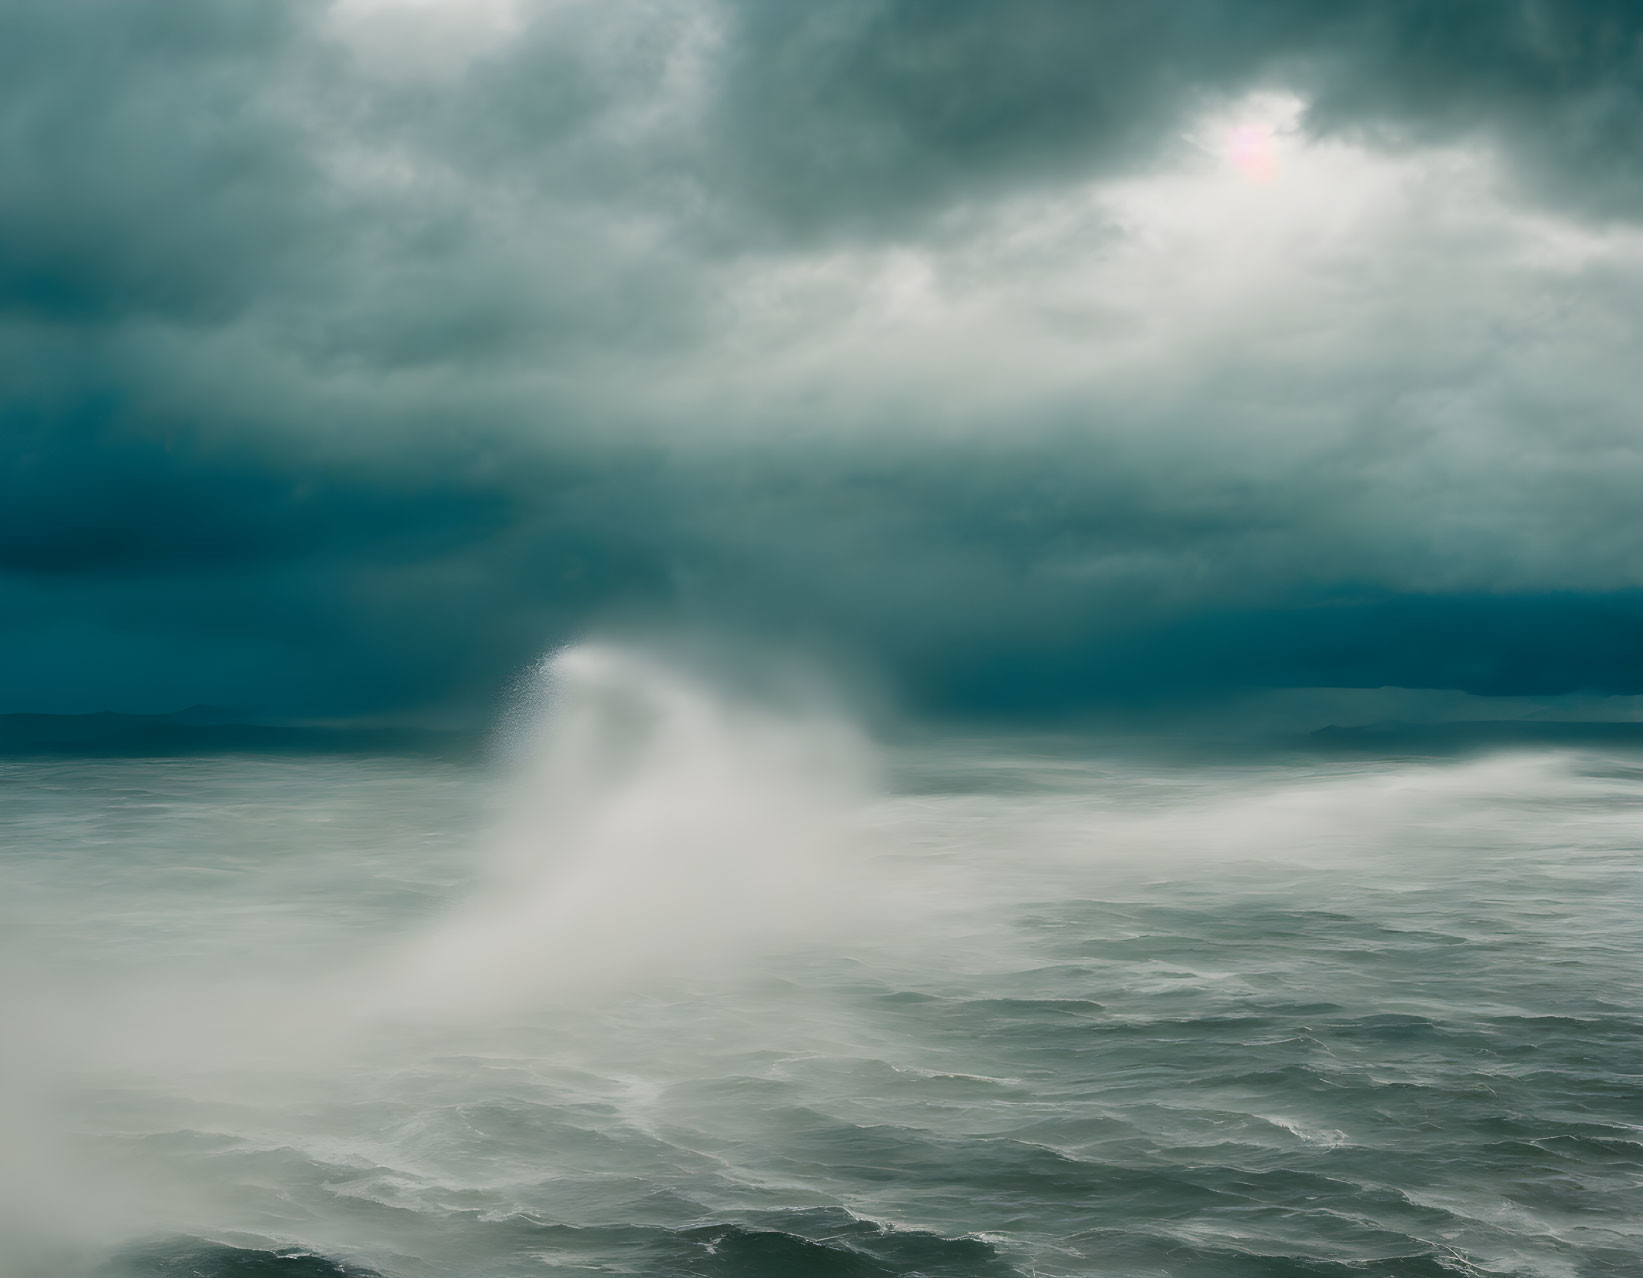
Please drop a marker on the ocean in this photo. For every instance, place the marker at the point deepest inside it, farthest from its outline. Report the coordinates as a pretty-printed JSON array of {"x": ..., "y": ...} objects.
[{"x": 676, "y": 983}]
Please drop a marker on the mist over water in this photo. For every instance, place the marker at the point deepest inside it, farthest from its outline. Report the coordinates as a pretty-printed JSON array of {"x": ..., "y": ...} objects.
[
  {"x": 692, "y": 981},
  {"x": 648, "y": 826}
]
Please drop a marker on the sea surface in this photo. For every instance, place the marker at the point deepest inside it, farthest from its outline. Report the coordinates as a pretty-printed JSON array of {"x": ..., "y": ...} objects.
[{"x": 673, "y": 984}]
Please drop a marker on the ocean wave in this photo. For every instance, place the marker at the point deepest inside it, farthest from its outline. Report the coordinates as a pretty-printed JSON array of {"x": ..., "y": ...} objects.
[{"x": 197, "y": 1258}]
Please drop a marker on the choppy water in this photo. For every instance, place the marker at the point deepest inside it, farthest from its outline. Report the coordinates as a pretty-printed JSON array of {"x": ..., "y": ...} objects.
[{"x": 692, "y": 990}]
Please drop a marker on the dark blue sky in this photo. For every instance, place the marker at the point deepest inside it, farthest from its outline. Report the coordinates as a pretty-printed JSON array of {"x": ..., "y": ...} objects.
[{"x": 1024, "y": 356}]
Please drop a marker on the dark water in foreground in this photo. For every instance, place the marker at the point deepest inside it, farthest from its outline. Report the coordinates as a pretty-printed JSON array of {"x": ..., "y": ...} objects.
[{"x": 982, "y": 1011}]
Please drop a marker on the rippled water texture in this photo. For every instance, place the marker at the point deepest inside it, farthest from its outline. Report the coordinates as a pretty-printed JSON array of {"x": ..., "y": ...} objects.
[{"x": 682, "y": 988}]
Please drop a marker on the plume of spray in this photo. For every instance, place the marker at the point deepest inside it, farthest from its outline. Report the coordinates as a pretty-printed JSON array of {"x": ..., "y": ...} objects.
[{"x": 653, "y": 825}]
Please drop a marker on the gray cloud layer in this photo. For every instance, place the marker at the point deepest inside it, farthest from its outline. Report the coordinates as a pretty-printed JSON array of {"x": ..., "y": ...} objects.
[{"x": 353, "y": 354}]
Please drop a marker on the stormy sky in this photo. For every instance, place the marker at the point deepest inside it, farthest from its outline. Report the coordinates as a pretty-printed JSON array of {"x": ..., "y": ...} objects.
[{"x": 1025, "y": 356}]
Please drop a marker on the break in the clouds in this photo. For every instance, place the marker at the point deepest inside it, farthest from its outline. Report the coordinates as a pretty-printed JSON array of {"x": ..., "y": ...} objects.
[{"x": 1028, "y": 356}]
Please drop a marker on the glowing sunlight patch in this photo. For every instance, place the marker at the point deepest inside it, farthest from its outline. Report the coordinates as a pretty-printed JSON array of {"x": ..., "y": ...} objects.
[{"x": 1251, "y": 149}]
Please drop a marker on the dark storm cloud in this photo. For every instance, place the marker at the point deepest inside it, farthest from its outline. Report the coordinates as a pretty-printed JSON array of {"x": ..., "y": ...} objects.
[
  {"x": 345, "y": 366},
  {"x": 143, "y": 170},
  {"x": 1559, "y": 85},
  {"x": 868, "y": 112},
  {"x": 164, "y": 505}
]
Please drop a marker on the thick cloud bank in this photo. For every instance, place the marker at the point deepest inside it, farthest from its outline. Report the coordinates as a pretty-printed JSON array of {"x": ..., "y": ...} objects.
[{"x": 1029, "y": 356}]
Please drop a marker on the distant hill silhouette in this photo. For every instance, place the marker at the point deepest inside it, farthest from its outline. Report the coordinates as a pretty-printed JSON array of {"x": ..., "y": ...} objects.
[
  {"x": 1472, "y": 735},
  {"x": 211, "y": 730}
]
